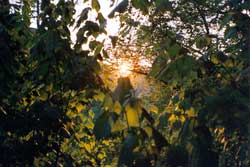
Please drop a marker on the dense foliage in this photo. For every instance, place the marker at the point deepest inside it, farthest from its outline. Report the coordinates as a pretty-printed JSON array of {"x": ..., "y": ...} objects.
[
  {"x": 55, "y": 109},
  {"x": 46, "y": 82},
  {"x": 202, "y": 53}
]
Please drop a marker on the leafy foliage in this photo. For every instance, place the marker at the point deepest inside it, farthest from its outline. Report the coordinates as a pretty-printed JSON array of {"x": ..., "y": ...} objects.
[
  {"x": 200, "y": 51},
  {"x": 56, "y": 111}
]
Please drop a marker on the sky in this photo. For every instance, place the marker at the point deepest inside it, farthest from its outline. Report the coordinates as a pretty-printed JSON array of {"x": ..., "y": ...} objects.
[{"x": 112, "y": 24}]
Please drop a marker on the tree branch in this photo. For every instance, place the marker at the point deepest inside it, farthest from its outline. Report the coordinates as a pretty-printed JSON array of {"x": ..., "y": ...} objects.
[{"x": 203, "y": 19}]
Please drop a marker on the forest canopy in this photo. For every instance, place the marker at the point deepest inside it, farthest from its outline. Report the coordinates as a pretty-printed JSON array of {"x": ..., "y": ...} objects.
[{"x": 57, "y": 108}]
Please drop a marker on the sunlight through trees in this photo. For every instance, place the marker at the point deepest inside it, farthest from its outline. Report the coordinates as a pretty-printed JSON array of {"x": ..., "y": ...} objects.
[{"x": 170, "y": 88}]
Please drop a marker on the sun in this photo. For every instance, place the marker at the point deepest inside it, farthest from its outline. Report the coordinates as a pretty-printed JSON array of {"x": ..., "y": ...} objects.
[{"x": 125, "y": 69}]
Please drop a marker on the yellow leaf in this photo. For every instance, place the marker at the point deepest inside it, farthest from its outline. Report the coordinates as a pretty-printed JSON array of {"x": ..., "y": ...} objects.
[
  {"x": 49, "y": 87},
  {"x": 87, "y": 146},
  {"x": 24, "y": 101},
  {"x": 153, "y": 108},
  {"x": 108, "y": 102},
  {"x": 182, "y": 118},
  {"x": 72, "y": 104},
  {"x": 71, "y": 114},
  {"x": 218, "y": 75},
  {"x": 91, "y": 113},
  {"x": 172, "y": 118},
  {"x": 101, "y": 156},
  {"x": 136, "y": 149},
  {"x": 132, "y": 115},
  {"x": 149, "y": 131},
  {"x": 89, "y": 124},
  {"x": 99, "y": 96},
  {"x": 106, "y": 142},
  {"x": 228, "y": 63},
  {"x": 117, "y": 126},
  {"x": 191, "y": 112},
  {"x": 28, "y": 136},
  {"x": 214, "y": 59},
  {"x": 117, "y": 107},
  {"x": 43, "y": 96},
  {"x": 80, "y": 107}
]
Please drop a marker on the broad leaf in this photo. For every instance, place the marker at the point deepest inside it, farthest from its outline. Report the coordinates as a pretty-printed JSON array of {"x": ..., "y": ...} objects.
[
  {"x": 133, "y": 114},
  {"x": 83, "y": 16},
  {"x": 95, "y": 4}
]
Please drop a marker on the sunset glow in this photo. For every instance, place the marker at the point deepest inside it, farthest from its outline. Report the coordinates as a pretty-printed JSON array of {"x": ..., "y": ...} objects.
[{"x": 125, "y": 69}]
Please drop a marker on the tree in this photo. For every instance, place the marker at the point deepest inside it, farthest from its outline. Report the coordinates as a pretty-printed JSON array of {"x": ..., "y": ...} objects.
[
  {"x": 45, "y": 84},
  {"x": 56, "y": 111},
  {"x": 201, "y": 50}
]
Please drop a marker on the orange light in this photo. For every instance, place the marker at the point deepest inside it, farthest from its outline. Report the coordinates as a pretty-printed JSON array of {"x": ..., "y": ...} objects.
[{"x": 125, "y": 69}]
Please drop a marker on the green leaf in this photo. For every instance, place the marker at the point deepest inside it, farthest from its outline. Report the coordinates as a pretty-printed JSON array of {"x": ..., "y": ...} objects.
[
  {"x": 94, "y": 44},
  {"x": 141, "y": 4},
  {"x": 180, "y": 70},
  {"x": 230, "y": 32},
  {"x": 83, "y": 16},
  {"x": 80, "y": 38},
  {"x": 95, "y": 4},
  {"x": 174, "y": 50},
  {"x": 102, "y": 128},
  {"x": 202, "y": 42},
  {"x": 126, "y": 155},
  {"x": 92, "y": 28},
  {"x": 214, "y": 59},
  {"x": 42, "y": 70},
  {"x": 186, "y": 103},
  {"x": 98, "y": 49},
  {"x": 175, "y": 99},
  {"x": 225, "y": 19},
  {"x": 102, "y": 20}
]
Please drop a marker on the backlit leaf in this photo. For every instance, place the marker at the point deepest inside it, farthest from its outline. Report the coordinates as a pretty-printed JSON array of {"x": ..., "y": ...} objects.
[
  {"x": 153, "y": 108},
  {"x": 191, "y": 112},
  {"x": 80, "y": 107},
  {"x": 132, "y": 115},
  {"x": 82, "y": 17},
  {"x": 117, "y": 107},
  {"x": 108, "y": 102},
  {"x": 149, "y": 131},
  {"x": 95, "y": 4}
]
